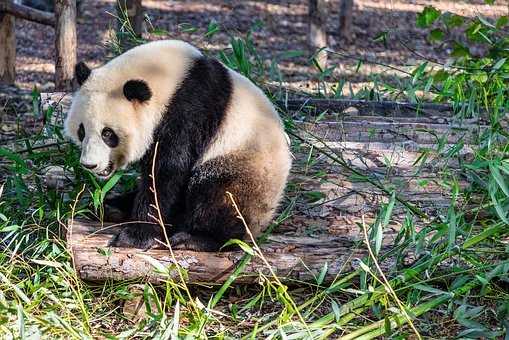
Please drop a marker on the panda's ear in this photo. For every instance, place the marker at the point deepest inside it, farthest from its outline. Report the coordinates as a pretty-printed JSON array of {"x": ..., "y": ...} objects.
[
  {"x": 137, "y": 90},
  {"x": 81, "y": 72}
]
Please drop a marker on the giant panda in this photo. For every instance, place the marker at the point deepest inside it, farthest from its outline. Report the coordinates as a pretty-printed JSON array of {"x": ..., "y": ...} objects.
[{"x": 215, "y": 131}]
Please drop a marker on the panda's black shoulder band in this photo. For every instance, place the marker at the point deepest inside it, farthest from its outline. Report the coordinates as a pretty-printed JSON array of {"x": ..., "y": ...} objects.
[
  {"x": 137, "y": 90},
  {"x": 82, "y": 72}
]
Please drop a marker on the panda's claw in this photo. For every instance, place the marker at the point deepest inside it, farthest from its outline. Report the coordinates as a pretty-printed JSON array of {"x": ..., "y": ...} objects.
[{"x": 136, "y": 236}]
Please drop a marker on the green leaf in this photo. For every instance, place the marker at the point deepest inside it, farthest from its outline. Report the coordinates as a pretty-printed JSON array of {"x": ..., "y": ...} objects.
[
  {"x": 498, "y": 64},
  {"x": 498, "y": 208},
  {"x": 419, "y": 71},
  {"x": 427, "y": 16},
  {"x": 452, "y": 20},
  {"x": 480, "y": 77},
  {"x": 15, "y": 158},
  {"x": 110, "y": 184},
  {"x": 485, "y": 22},
  {"x": 502, "y": 21},
  {"x": 336, "y": 310},
  {"x": 432, "y": 290},
  {"x": 497, "y": 176},
  {"x": 314, "y": 196},
  {"x": 459, "y": 51},
  {"x": 321, "y": 277},
  {"x": 436, "y": 35},
  {"x": 382, "y": 37},
  {"x": 212, "y": 29},
  {"x": 243, "y": 245}
]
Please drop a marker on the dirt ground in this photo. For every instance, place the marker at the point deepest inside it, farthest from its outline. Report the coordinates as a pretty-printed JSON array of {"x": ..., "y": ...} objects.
[{"x": 284, "y": 28}]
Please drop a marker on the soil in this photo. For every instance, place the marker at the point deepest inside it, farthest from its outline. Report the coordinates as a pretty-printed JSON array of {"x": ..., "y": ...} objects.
[{"x": 284, "y": 28}]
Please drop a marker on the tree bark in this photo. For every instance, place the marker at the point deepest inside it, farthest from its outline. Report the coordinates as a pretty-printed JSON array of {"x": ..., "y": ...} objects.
[
  {"x": 65, "y": 43},
  {"x": 317, "y": 30},
  {"x": 7, "y": 49},
  {"x": 345, "y": 19}
]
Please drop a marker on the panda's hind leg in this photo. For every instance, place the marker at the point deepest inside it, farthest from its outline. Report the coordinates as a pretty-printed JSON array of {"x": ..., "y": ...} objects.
[{"x": 210, "y": 218}]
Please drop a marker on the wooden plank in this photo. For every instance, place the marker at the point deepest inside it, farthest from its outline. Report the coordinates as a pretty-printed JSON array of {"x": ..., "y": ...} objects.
[{"x": 27, "y": 13}]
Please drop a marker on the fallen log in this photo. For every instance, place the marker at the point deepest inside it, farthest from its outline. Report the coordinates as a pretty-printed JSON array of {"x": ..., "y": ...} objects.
[{"x": 299, "y": 258}]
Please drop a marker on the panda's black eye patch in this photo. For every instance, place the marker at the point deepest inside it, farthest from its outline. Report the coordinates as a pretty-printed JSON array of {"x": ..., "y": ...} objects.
[
  {"x": 81, "y": 132},
  {"x": 109, "y": 137}
]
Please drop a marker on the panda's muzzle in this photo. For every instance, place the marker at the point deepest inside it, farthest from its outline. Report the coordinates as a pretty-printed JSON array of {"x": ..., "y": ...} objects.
[{"x": 106, "y": 172}]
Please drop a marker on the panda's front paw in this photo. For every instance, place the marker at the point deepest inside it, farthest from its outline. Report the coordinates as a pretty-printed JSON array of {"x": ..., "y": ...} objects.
[{"x": 141, "y": 236}]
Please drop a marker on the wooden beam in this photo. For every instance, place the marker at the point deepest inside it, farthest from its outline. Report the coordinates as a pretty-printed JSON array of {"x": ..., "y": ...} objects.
[
  {"x": 27, "y": 13},
  {"x": 7, "y": 49},
  {"x": 65, "y": 43}
]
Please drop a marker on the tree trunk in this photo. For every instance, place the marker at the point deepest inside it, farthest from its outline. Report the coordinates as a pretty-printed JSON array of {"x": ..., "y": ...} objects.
[
  {"x": 65, "y": 43},
  {"x": 130, "y": 22},
  {"x": 345, "y": 19},
  {"x": 317, "y": 30},
  {"x": 7, "y": 49}
]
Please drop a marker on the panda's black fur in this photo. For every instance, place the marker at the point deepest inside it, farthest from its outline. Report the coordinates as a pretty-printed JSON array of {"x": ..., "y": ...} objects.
[
  {"x": 193, "y": 117},
  {"x": 217, "y": 134}
]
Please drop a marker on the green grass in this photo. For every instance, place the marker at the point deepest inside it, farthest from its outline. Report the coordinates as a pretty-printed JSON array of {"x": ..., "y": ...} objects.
[{"x": 457, "y": 286}]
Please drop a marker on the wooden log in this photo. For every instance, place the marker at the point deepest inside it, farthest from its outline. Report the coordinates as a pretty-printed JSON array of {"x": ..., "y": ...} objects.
[
  {"x": 367, "y": 107},
  {"x": 345, "y": 19},
  {"x": 27, "y": 13},
  {"x": 65, "y": 43},
  {"x": 299, "y": 258},
  {"x": 389, "y": 131},
  {"x": 7, "y": 48},
  {"x": 317, "y": 34}
]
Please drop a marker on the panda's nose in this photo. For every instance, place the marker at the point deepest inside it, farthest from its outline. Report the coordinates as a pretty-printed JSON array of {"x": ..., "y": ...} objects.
[{"x": 89, "y": 166}]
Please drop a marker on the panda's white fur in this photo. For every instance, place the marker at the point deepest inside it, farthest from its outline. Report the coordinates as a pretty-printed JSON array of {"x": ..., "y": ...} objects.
[{"x": 250, "y": 132}]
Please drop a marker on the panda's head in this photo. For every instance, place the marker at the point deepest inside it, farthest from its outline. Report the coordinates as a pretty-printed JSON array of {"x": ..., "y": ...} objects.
[
  {"x": 119, "y": 105},
  {"x": 108, "y": 119}
]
